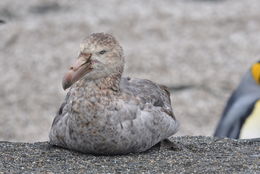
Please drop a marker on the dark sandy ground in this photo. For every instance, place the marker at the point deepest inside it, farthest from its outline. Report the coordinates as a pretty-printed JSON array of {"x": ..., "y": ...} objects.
[
  {"x": 199, "y": 48},
  {"x": 191, "y": 155}
]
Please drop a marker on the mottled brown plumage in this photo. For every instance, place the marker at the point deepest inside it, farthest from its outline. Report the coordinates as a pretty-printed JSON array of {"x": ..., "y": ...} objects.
[{"x": 104, "y": 113}]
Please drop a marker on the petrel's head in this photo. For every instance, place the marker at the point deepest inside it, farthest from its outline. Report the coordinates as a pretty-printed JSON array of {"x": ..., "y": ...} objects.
[{"x": 100, "y": 56}]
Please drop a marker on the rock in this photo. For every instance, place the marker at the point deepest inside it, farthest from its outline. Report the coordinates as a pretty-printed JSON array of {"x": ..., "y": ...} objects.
[{"x": 191, "y": 155}]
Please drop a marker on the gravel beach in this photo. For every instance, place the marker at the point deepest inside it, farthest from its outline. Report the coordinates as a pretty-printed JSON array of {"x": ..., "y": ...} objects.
[{"x": 191, "y": 155}]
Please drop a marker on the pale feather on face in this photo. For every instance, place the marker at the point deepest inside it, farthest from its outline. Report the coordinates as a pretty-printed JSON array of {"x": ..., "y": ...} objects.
[{"x": 103, "y": 55}]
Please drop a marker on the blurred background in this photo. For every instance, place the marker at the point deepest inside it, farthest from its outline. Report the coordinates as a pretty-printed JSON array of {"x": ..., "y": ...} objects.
[{"x": 198, "y": 48}]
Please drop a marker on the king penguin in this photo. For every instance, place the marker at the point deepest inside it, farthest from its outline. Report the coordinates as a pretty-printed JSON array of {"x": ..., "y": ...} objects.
[{"x": 241, "y": 116}]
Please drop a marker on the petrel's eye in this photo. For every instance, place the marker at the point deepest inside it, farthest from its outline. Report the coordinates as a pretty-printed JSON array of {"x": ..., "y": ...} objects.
[{"x": 102, "y": 52}]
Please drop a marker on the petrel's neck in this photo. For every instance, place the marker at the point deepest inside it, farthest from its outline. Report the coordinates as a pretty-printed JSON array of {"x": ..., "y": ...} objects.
[{"x": 110, "y": 82}]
